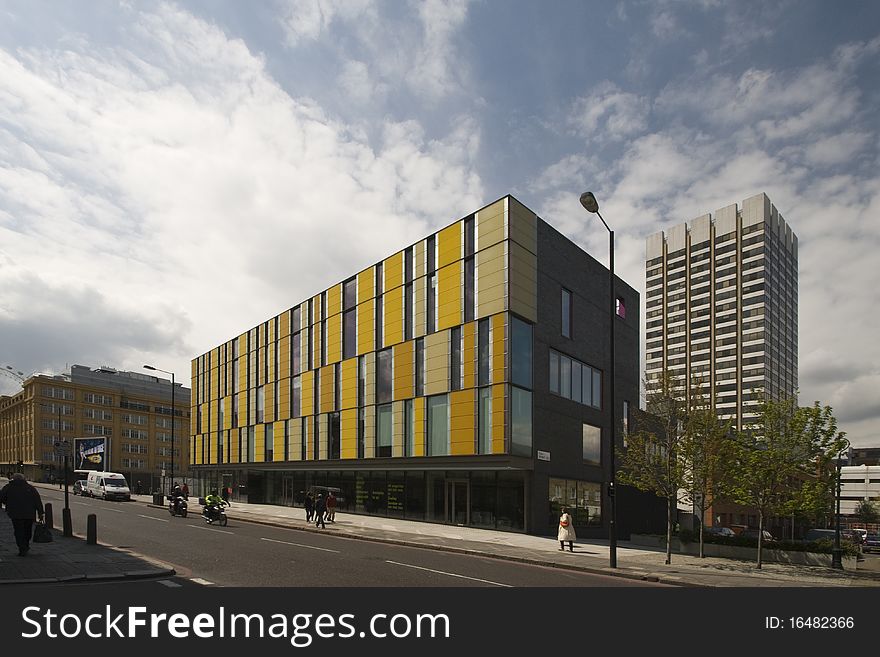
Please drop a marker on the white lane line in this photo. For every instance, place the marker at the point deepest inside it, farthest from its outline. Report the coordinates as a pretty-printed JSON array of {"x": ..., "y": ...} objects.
[
  {"x": 106, "y": 509},
  {"x": 170, "y": 584},
  {"x": 151, "y": 518},
  {"x": 441, "y": 572},
  {"x": 210, "y": 529},
  {"x": 310, "y": 547},
  {"x": 203, "y": 582}
]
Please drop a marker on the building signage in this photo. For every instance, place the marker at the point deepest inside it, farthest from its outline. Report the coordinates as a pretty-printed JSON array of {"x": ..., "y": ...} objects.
[
  {"x": 543, "y": 456},
  {"x": 90, "y": 453}
]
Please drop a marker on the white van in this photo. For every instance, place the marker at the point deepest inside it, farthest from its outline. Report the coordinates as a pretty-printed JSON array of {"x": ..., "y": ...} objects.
[{"x": 108, "y": 486}]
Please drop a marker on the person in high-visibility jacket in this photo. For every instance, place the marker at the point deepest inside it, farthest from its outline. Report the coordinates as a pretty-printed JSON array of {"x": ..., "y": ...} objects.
[{"x": 213, "y": 504}]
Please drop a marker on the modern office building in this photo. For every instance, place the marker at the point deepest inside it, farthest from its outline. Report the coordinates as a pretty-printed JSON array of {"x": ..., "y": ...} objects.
[
  {"x": 722, "y": 305},
  {"x": 460, "y": 380},
  {"x": 131, "y": 410},
  {"x": 858, "y": 483}
]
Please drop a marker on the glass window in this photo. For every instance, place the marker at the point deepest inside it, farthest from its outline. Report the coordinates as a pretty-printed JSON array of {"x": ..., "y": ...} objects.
[
  {"x": 565, "y": 376},
  {"x": 485, "y": 426},
  {"x": 261, "y": 400},
  {"x": 333, "y": 442},
  {"x": 455, "y": 358},
  {"x": 408, "y": 306},
  {"x": 349, "y": 294},
  {"x": 576, "y": 380},
  {"x": 384, "y": 376},
  {"x": 295, "y": 326},
  {"x": 380, "y": 279},
  {"x": 383, "y": 430},
  {"x": 438, "y": 426},
  {"x": 521, "y": 353},
  {"x": 520, "y": 421},
  {"x": 431, "y": 303},
  {"x": 295, "y": 355},
  {"x": 362, "y": 380},
  {"x": 469, "y": 241},
  {"x": 554, "y": 372},
  {"x": 349, "y": 333},
  {"x": 597, "y": 388},
  {"x": 420, "y": 367},
  {"x": 483, "y": 349},
  {"x": 408, "y": 265},
  {"x": 566, "y": 313},
  {"x": 361, "y": 433},
  {"x": 587, "y": 386},
  {"x": 592, "y": 444},
  {"x": 380, "y": 322},
  {"x": 431, "y": 243},
  {"x": 469, "y": 290}
]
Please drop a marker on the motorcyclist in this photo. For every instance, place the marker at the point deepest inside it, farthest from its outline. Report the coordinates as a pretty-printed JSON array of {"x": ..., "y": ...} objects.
[
  {"x": 213, "y": 504},
  {"x": 177, "y": 497}
]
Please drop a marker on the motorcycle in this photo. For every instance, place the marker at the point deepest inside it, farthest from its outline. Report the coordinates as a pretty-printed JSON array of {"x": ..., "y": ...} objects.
[
  {"x": 177, "y": 506},
  {"x": 213, "y": 514}
]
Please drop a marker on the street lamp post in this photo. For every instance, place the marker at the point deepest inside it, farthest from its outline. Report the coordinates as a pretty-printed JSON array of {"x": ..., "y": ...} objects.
[
  {"x": 173, "y": 415},
  {"x": 588, "y": 200},
  {"x": 837, "y": 552}
]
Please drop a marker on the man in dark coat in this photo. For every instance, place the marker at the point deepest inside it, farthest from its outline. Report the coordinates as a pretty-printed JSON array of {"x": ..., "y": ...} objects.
[
  {"x": 22, "y": 502},
  {"x": 320, "y": 510}
]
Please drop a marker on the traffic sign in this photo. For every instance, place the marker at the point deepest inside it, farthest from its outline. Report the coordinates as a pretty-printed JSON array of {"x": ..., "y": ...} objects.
[{"x": 62, "y": 447}]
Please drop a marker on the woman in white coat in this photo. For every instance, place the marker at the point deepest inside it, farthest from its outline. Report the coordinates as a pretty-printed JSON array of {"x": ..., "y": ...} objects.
[{"x": 566, "y": 531}]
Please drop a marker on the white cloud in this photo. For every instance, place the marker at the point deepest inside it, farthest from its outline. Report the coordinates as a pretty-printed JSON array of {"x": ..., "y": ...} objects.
[
  {"x": 609, "y": 113},
  {"x": 205, "y": 194}
]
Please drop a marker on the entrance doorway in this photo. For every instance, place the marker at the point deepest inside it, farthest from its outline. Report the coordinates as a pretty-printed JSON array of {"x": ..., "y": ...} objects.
[
  {"x": 457, "y": 502},
  {"x": 287, "y": 491}
]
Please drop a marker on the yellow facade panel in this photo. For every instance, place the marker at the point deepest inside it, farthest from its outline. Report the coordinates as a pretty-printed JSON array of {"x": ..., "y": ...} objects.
[
  {"x": 499, "y": 347},
  {"x": 349, "y": 384},
  {"x": 369, "y": 432},
  {"x": 449, "y": 288},
  {"x": 260, "y": 443},
  {"x": 421, "y": 263},
  {"x": 397, "y": 417},
  {"x": 523, "y": 275},
  {"x": 283, "y": 410},
  {"x": 393, "y": 269},
  {"x": 489, "y": 225},
  {"x": 348, "y": 421},
  {"x": 523, "y": 225},
  {"x": 334, "y": 300},
  {"x": 322, "y": 436},
  {"x": 420, "y": 316},
  {"x": 269, "y": 401},
  {"x": 437, "y": 363},
  {"x": 449, "y": 245},
  {"x": 462, "y": 422},
  {"x": 284, "y": 325},
  {"x": 328, "y": 389},
  {"x": 227, "y": 413},
  {"x": 334, "y": 338},
  {"x": 370, "y": 382},
  {"x": 393, "y": 308},
  {"x": 278, "y": 442},
  {"x": 419, "y": 426},
  {"x": 234, "y": 456},
  {"x": 366, "y": 285},
  {"x": 366, "y": 326},
  {"x": 316, "y": 309},
  {"x": 498, "y": 425},
  {"x": 283, "y": 357},
  {"x": 404, "y": 372}
]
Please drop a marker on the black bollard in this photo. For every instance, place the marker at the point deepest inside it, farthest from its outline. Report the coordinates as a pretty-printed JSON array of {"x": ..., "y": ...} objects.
[
  {"x": 92, "y": 529},
  {"x": 68, "y": 526},
  {"x": 50, "y": 522}
]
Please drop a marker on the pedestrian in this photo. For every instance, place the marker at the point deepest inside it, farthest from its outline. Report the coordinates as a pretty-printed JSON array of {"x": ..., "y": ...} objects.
[
  {"x": 138, "y": 487},
  {"x": 226, "y": 493},
  {"x": 331, "y": 507},
  {"x": 185, "y": 490},
  {"x": 22, "y": 502},
  {"x": 566, "y": 531},
  {"x": 310, "y": 506},
  {"x": 320, "y": 510}
]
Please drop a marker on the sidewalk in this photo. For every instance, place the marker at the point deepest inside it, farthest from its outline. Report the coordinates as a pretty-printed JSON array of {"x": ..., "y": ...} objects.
[
  {"x": 635, "y": 562},
  {"x": 69, "y": 560}
]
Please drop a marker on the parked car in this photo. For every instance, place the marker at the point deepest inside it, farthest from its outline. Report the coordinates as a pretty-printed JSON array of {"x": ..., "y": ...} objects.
[
  {"x": 721, "y": 532},
  {"x": 860, "y": 534},
  {"x": 753, "y": 533},
  {"x": 818, "y": 534},
  {"x": 872, "y": 543},
  {"x": 79, "y": 487}
]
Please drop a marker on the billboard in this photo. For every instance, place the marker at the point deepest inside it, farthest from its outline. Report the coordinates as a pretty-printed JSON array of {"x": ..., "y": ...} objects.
[{"x": 90, "y": 453}]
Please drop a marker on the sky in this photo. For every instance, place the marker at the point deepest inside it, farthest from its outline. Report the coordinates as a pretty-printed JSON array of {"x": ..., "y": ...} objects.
[{"x": 172, "y": 174}]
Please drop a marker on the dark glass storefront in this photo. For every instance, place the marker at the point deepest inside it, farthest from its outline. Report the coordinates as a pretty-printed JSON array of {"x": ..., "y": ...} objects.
[{"x": 488, "y": 499}]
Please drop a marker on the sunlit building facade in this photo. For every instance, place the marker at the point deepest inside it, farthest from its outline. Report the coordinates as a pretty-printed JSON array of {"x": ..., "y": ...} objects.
[{"x": 460, "y": 380}]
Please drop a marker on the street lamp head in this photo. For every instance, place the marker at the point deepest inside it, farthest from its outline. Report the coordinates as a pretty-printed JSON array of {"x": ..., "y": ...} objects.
[
  {"x": 588, "y": 200},
  {"x": 149, "y": 367}
]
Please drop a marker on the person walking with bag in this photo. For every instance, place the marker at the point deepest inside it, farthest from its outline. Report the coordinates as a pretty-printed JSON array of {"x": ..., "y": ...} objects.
[
  {"x": 22, "y": 502},
  {"x": 566, "y": 531}
]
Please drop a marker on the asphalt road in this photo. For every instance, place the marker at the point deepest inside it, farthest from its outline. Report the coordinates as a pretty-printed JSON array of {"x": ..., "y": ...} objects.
[{"x": 248, "y": 554}]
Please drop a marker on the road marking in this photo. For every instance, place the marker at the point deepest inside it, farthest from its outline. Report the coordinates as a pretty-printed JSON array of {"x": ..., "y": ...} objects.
[
  {"x": 170, "y": 584},
  {"x": 151, "y": 518},
  {"x": 113, "y": 510},
  {"x": 440, "y": 572},
  {"x": 211, "y": 529},
  {"x": 203, "y": 582},
  {"x": 310, "y": 547}
]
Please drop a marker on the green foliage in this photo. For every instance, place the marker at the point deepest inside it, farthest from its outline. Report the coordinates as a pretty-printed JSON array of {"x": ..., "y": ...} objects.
[{"x": 867, "y": 512}]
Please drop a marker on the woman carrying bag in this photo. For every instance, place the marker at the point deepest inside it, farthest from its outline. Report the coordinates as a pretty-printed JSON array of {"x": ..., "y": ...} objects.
[{"x": 566, "y": 531}]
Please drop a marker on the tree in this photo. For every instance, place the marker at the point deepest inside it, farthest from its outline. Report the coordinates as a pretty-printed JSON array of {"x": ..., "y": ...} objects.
[
  {"x": 867, "y": 512},
  {"x": 651, "y": 460},
  {"x": 707, "y": 450},
  {"x": 779, "y": 454}
]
